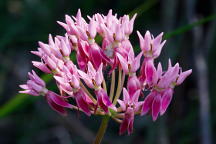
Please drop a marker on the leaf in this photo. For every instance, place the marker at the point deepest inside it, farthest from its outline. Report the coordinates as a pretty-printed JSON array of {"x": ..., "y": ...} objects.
[
  {"x": 143, "y": 7},
  {"x": 188, "y": 27}
]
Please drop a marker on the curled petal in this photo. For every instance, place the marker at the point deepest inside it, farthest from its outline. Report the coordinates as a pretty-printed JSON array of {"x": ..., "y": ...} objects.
[
  {"x": 123, "y": 63},
  {"x": 127, "y": 123},
  {"x": 57, "y": 99},
  {"x": 95, "y": 55},
  {"x": 82, "y": 102},
  {"x": 147, "y": 105},
  {"x": 165, "y": 101},
  {"x": 183, "y": 76},
  {"x": 59, "y": 109},
  {"x": 156, "y": 106},
  {"x": 104, "y": 101}
]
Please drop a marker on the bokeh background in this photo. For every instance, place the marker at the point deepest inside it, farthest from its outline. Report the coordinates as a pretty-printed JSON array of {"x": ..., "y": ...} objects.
[{"x": 189, "y": 27}]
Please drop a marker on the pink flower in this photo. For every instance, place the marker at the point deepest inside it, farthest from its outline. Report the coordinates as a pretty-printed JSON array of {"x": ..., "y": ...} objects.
[
  {"x": 133, "y": 85},
  {"x": 163, "y": 84},
  {"x": 130, "y": 105},
  {"x": 131, "y": 64},
  {"x": 151, "y": 46},
  {"x": 36, "y": 86},
  {"x": 104, "y": 101},
  {"x": 92, "y": 78},
  {"x": 57, "y": 102}
]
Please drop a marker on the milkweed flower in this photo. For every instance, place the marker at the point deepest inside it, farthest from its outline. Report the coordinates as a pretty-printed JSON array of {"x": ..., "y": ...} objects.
[{"x": 85, "y": 80}]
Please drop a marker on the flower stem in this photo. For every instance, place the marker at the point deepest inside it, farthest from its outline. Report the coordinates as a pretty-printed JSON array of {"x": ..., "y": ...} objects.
[
  {"x": 112, "y": 87},
  {"x": 118, "y": 91},
  {"x": 104, "y": 85},
  {"x": 102, "y": 130}
]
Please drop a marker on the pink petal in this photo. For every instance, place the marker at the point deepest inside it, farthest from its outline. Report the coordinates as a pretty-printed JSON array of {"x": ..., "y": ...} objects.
[
  {"x": 147, "y": 105},
  {"x": 123, "y": 63},
  {"x": 183, "y": 76},
  {"x": 30, "y": 92},
  {"x": 31, "y": 84},
  {"x": 41, "y": 66},
  {"x": 136, "y": 63},
  {"x": 123, "y": 126},
  {"x": 156, "y": 106},
  {"x": 38, "y": 80},
  {"x": 57, "y": 99},
  {"x": 56, "y": 107},
  {"x": 133, "y": 85},
  {"x": 75, "y": 81},
  {"x": 92, "y": 27},
  {"x": 131, "y": 23},
  {"x": 50, "y": 62},
  {"x": 149, "y": 71},
  {"x": 147, "y": 42},
  {"x": 166, "y": 99},
  {"x": 24, "y": 86},
  {"x": 99, "y": 75},
  {"x": 141, "y": 40},
  {"x": 81, "y": 102},
  {"x": 86, "y": 79},
  {"x": 136, "y": 96},
  {"x": 126, "y": 96},
  {"x": 91, "y": 70},
  {"x": 122, "y": 104},
  {"x": 64, "y": 25},
  {"x": 95, "y": 55}
]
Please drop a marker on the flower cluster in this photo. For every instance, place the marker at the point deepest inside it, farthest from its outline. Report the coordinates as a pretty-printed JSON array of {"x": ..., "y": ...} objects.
[{"x": 86, "y": 82}]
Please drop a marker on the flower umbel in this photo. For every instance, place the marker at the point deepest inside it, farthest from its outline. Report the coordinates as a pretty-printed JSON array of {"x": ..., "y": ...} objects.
[{"x": 86, "y": 82}]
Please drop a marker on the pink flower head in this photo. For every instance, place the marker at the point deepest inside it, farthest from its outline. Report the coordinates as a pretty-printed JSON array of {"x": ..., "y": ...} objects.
[
  {"x": 151, "y": 46},
  {"x": 113, "y": 53}
]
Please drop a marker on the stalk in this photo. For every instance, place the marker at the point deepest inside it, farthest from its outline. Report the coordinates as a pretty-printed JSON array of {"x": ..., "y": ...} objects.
[
  {"x": 118, "y": 92},
  {"x": 102, "y": 130},
  {"x": 112, "y": 86},
  {"x": 104, "y": 85}
]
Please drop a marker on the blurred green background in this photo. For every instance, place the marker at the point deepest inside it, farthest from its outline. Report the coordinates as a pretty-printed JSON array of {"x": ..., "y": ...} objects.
[{"x": 189, "y": 27}]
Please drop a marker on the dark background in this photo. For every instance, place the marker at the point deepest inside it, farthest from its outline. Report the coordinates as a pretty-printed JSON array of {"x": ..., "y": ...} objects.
[{"x": 191, "y": 117}]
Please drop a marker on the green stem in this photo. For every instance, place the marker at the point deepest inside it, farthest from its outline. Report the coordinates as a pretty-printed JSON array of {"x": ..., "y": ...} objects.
[
  {"x": 102, "y": 130},
  {"x": 112, "y": 87},
  {"x": 119, "y": 88}
]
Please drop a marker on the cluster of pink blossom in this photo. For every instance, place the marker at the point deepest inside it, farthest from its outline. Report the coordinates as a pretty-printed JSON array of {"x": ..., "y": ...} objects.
[{"x": 86, "y": 82}]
